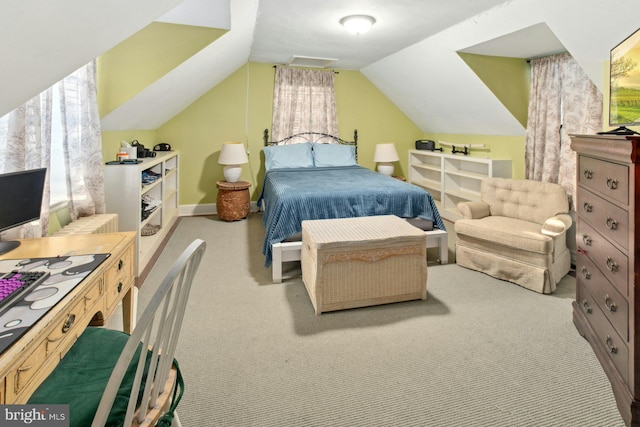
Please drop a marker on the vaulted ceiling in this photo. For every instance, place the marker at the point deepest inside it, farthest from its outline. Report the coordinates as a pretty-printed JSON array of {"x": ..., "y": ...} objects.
[{"x": 411, "y": 54}]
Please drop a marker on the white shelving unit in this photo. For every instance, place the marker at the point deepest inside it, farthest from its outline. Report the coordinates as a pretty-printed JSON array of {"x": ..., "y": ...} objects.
[
  {"x": 124, "y": 192},
  {"x": 453, "y": 178}
]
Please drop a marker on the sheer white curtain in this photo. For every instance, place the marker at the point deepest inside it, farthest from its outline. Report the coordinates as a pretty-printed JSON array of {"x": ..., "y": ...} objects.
[
  {"x": 25, "y": 135},
  {"x": 303, "y": 101},
  {"x": 562, "y": 101},
  {"x": 82, "y": 143},
  {"x": 63, "y": 116}
]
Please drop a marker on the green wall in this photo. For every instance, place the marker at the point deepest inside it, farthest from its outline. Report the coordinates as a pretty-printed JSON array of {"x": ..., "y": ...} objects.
[
  {"x": 239, "y": 109},
  {"x": 507, "y": 78},
  {"x": 496, "y": 147},
  {"x": 140, "y": 60}
]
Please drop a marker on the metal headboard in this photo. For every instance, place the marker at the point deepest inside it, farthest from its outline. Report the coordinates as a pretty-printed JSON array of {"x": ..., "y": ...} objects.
[
  {"x": 316, "y": 137},
  {"x": 321, "y": 138}
]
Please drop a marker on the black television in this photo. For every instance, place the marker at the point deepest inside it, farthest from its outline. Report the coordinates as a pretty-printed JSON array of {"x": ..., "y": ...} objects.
[
  {"x": 624, "y": 80},
  {"x": 21, "y": 194}
]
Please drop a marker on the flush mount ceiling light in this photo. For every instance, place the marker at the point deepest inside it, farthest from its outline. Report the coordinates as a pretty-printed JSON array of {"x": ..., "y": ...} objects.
[{"x": 358, "y": 24}]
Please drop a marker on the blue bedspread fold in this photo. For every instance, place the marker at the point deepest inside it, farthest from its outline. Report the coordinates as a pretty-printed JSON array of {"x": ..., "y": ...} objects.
[{"x": 293, "y": 195}]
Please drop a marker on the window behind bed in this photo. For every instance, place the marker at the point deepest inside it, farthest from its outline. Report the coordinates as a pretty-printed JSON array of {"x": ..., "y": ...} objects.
[{"x": 303, "y": 101}]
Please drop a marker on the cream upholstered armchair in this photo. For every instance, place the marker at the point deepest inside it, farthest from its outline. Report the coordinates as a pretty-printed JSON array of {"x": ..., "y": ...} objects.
[{"x": 516, "y": 232}]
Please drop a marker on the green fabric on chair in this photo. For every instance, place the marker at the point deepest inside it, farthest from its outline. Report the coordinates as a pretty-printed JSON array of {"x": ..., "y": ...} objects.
[{"x": 80, "y": 378}]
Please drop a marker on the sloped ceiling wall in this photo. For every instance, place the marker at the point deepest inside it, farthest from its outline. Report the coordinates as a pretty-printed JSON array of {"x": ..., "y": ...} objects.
[
  {"x": 180, "y": 87},
  {"x": 430, "y": 83},
  {"x": 44, "y": 41}
]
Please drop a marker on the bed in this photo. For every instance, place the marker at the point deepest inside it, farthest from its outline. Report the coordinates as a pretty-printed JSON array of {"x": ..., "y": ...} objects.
[{"x": 313, "y": 175}]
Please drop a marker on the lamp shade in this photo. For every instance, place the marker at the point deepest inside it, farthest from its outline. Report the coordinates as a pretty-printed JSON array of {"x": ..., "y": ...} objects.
[
  {"x": 233, "y": 153},
  {"x": 384, "y": 156},
  {"x": 385, "y": 153},
  {"x": 232, "y": 156}
]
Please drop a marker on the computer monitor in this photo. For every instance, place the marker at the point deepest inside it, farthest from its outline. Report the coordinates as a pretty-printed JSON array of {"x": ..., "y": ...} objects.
[{"x": 20, "y": 201}]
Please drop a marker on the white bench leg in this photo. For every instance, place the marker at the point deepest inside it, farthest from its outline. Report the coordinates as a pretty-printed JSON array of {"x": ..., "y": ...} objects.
[
  {"x": 276, "y": 263},
  {"x": 438, "y": 238},
  {"x": 444, "y": 249}
]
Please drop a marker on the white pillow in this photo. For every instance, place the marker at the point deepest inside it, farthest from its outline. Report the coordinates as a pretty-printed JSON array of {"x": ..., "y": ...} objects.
[
  {"x": 325, "y": 155},
  {"x": 288, "y": 156}
]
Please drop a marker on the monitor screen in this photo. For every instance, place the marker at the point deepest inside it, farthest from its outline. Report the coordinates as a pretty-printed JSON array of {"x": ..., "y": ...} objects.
[
  {"x": 21, "y": 200},
  {"x": 624, "y": 101}
]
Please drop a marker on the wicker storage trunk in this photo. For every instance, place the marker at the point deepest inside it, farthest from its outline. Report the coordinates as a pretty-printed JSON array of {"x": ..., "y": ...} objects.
[{"x": 358, "y": 262}]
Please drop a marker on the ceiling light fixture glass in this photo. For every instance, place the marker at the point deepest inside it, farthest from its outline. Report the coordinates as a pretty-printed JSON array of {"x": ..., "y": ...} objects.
[{"x": 358, "y": 24}]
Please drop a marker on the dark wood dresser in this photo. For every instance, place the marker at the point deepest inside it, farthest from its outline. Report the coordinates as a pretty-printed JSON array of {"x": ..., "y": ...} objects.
[{"x": 607, "y": 264}]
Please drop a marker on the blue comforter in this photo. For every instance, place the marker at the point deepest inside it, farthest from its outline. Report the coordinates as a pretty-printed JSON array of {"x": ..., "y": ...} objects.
[{"x": 293, "y": 195}]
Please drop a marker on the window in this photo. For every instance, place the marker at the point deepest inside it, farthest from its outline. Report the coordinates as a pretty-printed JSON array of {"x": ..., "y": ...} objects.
[{"x": 60, "y": 129}]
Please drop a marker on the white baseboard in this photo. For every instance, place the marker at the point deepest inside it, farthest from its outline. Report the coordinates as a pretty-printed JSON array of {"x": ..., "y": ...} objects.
[{"x": 206, "y": 209}]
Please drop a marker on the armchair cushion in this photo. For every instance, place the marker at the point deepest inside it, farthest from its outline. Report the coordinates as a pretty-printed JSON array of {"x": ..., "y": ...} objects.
[{"x": 507, "y": 231}]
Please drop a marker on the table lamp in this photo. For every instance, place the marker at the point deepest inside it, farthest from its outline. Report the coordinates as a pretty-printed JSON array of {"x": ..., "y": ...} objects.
[
  {"x": 384, "y": 156},
  {"x": 232, "y": 156}
]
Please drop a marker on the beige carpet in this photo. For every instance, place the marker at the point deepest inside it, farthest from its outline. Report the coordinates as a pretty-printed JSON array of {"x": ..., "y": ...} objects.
[{"x": 477, "y": 352}]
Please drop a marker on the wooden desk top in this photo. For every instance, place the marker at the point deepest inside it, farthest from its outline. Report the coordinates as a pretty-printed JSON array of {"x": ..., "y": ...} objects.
[
  {"x": 30, "y": 359},
  {"x": 76, "y": 244}
]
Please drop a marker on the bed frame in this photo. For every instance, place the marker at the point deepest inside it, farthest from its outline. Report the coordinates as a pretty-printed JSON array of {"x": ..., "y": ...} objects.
[
  {"x": 291, "y": 251},
  {"x": 316, "y": 137}
]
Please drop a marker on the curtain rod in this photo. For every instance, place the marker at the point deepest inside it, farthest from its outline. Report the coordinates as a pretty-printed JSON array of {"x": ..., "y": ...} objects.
[{"x": 334, "y": 71}]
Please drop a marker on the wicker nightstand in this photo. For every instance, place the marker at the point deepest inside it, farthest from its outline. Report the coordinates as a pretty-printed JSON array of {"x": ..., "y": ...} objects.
[{"x": 233, "y": 200}]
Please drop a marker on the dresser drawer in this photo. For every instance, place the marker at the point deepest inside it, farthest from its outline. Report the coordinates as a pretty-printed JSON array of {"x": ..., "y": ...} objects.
[
  {"x": 610, "y": 220},
  {"x": 614, "y": 306},
  {"x": 609, "y": 260},
  {"x": 606, "y": 336},
  {"x": 611, "y": 179},
  {"x": 118, "y": 277}
]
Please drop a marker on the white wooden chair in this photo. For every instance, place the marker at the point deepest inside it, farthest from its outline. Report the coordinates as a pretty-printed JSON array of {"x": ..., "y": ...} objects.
[{"x": 130, "y": 396}]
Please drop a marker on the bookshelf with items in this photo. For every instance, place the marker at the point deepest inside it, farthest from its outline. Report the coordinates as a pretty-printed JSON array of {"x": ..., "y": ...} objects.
[
  {"x": 453, "y": 178},
  {"x": 425, "y": 170},
  {"x": 145, "y": 197}
]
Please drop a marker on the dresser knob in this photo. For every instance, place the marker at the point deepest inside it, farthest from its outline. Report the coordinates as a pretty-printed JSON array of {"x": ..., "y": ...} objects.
[
  {"x": 610, "y": 305},
  {"x": 612, "y": 348},
  {"x": 612, "y": 184},
  {"x": 585, "y": 304},
  {"x": 586, "y": 240},
  {"x": 587, "y": 207},
  {"x": 588, "y": 174},
  {"x": 585, "y": 273},
  {"x": 611, "y": 223},
  {"x": 612, "y": 265}
]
